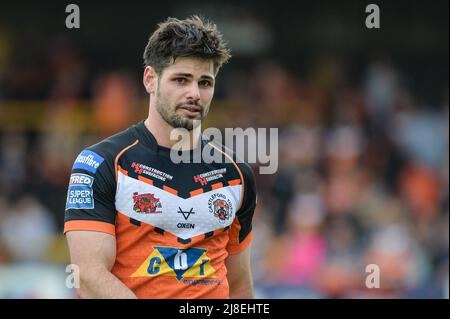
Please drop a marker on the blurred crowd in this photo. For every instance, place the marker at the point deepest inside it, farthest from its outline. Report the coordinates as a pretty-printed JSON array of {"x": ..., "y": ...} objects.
[
  {"x": 363, "y": 179},
  {"x": 362, "y": 176}
]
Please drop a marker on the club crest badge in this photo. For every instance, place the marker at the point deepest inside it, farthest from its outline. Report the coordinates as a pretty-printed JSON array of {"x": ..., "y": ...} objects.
[
  {"x": 220, "y": 207},
  {"x": 146, "y": 204}
]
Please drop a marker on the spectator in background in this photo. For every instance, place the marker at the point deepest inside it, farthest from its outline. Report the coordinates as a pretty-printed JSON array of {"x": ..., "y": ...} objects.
[
  {"x": 26, "y": 229},
  {"x": 13, "y": 158},
  {"x": 115, "y": 102},
  {"x": 381, "y": 88}
]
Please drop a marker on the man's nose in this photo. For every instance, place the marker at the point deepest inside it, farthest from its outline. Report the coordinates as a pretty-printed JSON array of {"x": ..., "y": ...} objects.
[{"x": 194, "y": 92}]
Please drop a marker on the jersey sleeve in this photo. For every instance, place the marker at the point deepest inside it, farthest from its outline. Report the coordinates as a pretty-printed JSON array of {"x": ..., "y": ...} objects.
[
  {"x": 241, "y": 228},
  {"x": 90, "y": 203}
]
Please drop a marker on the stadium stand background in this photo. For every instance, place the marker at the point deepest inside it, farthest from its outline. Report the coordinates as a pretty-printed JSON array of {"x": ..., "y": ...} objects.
[{"x": 362, "y": 117}]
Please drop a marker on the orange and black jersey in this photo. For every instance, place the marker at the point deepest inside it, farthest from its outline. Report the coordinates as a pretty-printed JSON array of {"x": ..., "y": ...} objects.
[{"x": 174, "y": 224}]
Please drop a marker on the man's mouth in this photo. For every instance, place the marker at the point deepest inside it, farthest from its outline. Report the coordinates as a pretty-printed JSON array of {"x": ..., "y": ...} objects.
[{"x": 192, "y": 110}]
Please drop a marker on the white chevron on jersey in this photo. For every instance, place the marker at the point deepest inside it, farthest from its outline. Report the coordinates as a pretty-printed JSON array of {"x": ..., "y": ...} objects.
[{"x": 202, "y": 218}]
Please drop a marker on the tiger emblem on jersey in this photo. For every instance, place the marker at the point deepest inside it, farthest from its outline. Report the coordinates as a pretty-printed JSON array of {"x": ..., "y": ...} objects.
[{"x": 220, "y": 207}]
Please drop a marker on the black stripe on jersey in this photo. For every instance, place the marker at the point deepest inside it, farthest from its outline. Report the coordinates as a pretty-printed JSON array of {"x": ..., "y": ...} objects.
[
  {"x": 183, "y": 241},
  {"x": 209, "y": 234},
  {"x": 160, "y": 230},
  {"x": 135, "y": 222}
]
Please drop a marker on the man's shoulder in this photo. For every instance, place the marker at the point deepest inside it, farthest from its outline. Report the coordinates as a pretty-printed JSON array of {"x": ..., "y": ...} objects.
[
  {"x": 243, "y": 166},
  {"x": 108, "y": 148}
]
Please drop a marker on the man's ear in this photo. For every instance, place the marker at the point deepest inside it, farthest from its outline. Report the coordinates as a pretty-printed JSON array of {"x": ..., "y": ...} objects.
[{"x": 149, "y": 79}]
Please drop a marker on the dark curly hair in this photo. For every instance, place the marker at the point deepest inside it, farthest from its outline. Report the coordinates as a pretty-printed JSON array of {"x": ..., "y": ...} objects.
[{"x": 183, "y": 38}]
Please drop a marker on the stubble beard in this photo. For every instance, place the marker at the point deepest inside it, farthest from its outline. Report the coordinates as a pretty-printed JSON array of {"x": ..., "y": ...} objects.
[{"x": 168, "y": 113}]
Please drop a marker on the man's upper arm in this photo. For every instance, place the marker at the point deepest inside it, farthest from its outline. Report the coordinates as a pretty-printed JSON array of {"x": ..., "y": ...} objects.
[
  {"x": 239, "y": 274},
  {"x": 90, "y": 201},
  {"x": 240, "y": 234},
  {"x": 238, "y": 264},
  {"x": 92, "y": 248}
]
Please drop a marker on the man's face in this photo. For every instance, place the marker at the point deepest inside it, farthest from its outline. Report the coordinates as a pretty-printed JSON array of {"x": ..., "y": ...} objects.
[{"x": 185, "y": 90}]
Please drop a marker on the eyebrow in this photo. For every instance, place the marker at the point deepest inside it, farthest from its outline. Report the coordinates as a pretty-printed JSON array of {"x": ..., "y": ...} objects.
[{"x": 188, "y": 75}]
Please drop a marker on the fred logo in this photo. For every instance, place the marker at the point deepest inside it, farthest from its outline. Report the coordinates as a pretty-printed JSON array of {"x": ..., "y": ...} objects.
[
  {"x": 220, "y": 207},
  {"x": 81, "y": 179},
  {"x": 80, "y": 194},
  {"x": 146, "y": 204}
]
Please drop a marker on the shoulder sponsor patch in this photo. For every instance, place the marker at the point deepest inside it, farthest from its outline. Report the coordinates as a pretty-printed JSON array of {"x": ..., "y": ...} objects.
[
  {"x": 88, "y": 161},
  {"x": 80, "y": 194}
]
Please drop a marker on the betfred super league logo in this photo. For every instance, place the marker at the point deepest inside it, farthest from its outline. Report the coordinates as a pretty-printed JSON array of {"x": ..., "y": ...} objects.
[
  {"x": 146, "y": 204},
  {"x": 220, "y": 206}
]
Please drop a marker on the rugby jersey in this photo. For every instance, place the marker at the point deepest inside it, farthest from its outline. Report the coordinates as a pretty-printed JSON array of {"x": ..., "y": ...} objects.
[{"x": 174, "y": 224}]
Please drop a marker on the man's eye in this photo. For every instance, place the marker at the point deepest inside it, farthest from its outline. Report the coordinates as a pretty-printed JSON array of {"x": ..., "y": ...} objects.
[
  {"x": 205, "y": 83},
  {"x": 180, "y": 80}
]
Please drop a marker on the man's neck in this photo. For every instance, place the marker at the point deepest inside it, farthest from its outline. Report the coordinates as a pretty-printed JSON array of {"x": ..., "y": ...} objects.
[{"x": 161, "y": 131}]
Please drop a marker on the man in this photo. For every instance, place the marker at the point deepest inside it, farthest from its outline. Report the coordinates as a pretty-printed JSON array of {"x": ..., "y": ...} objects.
[{"x": 139, "y": 225}]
